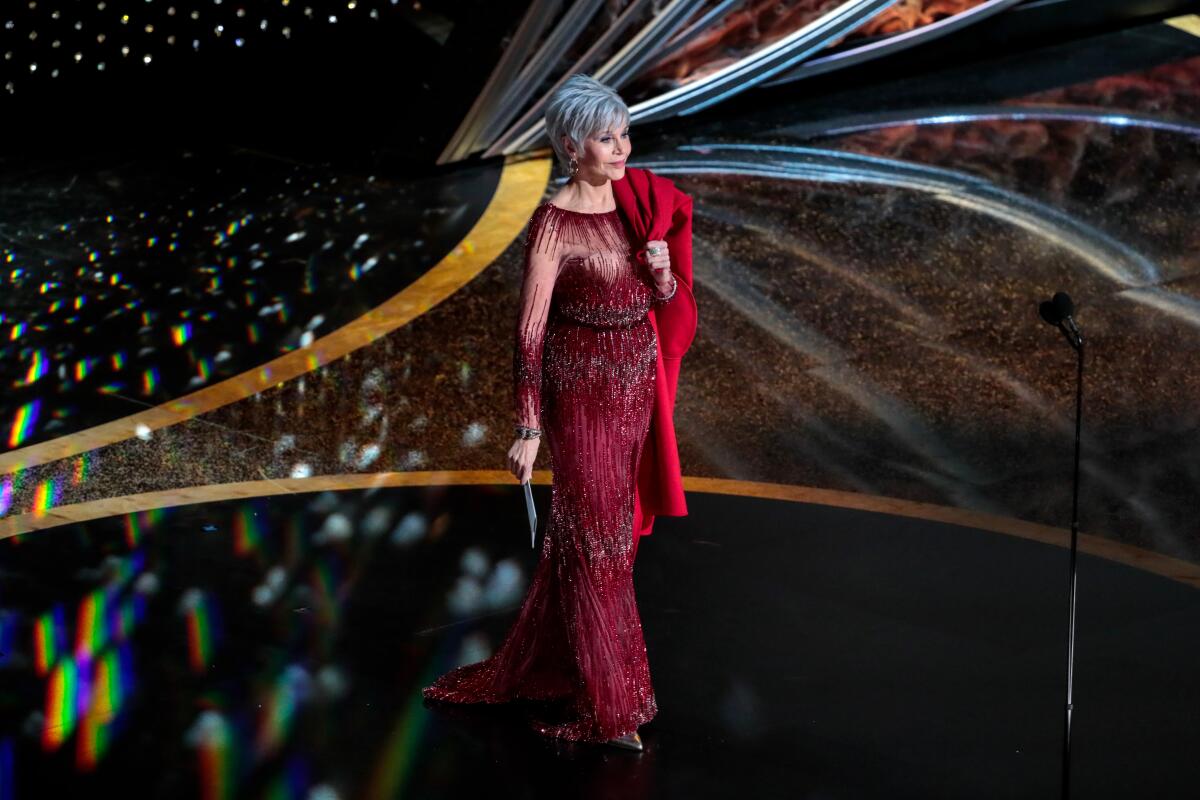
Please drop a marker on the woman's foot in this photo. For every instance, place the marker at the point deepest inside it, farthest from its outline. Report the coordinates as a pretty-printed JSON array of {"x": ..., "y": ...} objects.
[{"x": 630, "y": 741}]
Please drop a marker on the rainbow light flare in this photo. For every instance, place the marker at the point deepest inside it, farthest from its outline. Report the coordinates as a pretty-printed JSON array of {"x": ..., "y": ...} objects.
[
  {"x": 324, "y": 585},
  {"x": 80, "y": 473},
  {"x": 37, "y": 368},
  {"x": 278, "y": 716},
  {"x": 112, "y": 683},
  {"x": 247, "y": 532},
  {"x": 133, "y": 530},
  {"x": 17, "y": 331},
  {"x": 200, "y": 634},
  {"x": 49, "y": 640},
  {"x": 125, "y": 618},
  {"x": 400, "y": 749},
  {"x": 46, "y": 496},
  {"x": 118, "y": 361},
  {"x": 202, "y": 369},
  {"x": 181, "y": 333},
  {"x": 137, "y": 524},
  {"x": 6, "y": 493},
  {"x": 61, "y": 693},
  {"x": 91, "y": 630},
  {"x": 216, "y": 758},
  {"x": 150, "y": 381},
  {"x": 89, "y": 689}
]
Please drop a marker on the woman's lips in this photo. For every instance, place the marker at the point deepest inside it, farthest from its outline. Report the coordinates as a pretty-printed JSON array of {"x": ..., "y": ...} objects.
[{"x": 620, "y": 163}]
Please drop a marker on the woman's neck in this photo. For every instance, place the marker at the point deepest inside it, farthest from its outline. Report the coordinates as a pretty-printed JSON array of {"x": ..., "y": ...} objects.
[{"x": 584, "y": 196}]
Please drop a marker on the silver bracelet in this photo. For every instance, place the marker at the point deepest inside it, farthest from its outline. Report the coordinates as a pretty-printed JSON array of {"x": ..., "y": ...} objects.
[
  {"x": 665, "y": 298},
  {"x": 525, "y": 432}
]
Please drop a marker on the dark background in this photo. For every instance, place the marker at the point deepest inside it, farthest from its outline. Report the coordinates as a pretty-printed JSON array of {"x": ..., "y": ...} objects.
[{"x": 382, "y": 93}]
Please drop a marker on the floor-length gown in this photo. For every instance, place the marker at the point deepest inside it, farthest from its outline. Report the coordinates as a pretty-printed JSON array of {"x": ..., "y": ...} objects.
[{"x": 583, "y": 371}]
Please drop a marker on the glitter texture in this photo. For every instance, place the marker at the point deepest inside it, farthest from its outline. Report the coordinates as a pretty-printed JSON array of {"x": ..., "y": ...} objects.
[{"x": 583, "y": 372}]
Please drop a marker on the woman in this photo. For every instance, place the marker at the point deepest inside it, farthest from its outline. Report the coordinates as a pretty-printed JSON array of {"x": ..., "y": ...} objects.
[{"x": 588, "y": 378}]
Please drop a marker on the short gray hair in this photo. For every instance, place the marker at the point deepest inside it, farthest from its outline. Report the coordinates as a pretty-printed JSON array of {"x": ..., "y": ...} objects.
[{"x": 579, "y": 108}]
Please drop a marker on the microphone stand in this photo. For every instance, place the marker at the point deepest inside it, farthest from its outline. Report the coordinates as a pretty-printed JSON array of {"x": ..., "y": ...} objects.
[{"x": 1076, "y": 339}]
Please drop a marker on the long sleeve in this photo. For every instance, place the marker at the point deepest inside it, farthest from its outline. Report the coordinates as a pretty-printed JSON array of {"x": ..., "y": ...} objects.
[{"x": 542, "y": 258}]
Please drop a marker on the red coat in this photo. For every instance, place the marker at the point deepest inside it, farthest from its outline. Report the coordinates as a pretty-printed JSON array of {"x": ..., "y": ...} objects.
[{"x": 655, "y": 209}]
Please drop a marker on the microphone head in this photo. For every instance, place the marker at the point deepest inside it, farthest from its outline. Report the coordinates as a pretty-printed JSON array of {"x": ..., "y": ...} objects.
[
  {"x": 1063, "y": 305},
  {"x": 1049, "y": 313}
]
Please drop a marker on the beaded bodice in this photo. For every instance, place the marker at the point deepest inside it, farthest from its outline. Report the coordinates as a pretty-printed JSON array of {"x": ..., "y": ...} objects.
[
  {"x": 598, "y": 282},
  {"x": 579, "y": 269}
]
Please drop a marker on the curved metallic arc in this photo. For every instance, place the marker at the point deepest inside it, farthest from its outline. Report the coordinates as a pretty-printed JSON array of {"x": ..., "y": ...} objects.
[
  {"x": 526, "y": 129},
  {"x": 619, "y": 68},
  {"x": 762, "y": 64},
  {"x": 861, "y": 123},
  {"x": 1108, "y": 256},
  {"x": 681, "y": 37},
  {"x": 516, "y": 95},
  {"x": 646, "y": 44},
  {"x": 536, "y": 18},
  {"x": 892, "y": 44}
]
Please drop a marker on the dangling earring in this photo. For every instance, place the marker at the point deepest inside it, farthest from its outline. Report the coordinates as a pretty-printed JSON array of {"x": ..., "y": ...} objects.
[{"x": 574, "y": 166}]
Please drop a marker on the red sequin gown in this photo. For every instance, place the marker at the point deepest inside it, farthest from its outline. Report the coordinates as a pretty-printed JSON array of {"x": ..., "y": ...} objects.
[{"x": 584, "y": 371}]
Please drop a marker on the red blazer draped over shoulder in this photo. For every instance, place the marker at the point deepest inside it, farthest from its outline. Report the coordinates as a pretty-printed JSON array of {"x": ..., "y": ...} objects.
[{"x": 654, "y": 208}]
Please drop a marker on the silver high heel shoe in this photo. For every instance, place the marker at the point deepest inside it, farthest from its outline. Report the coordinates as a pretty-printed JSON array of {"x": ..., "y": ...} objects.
[{"x": 630, "y": 741}]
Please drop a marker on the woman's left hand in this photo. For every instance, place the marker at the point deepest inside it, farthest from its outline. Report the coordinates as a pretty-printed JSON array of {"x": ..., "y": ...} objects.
[{"x": 659, "y": 263}]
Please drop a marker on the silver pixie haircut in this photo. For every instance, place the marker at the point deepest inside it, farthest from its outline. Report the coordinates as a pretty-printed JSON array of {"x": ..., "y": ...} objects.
[{"x": 579, "y": 108}]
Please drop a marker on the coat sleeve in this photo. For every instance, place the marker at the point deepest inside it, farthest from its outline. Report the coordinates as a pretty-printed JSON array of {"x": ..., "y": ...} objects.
[
  {"x": 679, "y": 239},
  {"x": 677, "y": 319}
]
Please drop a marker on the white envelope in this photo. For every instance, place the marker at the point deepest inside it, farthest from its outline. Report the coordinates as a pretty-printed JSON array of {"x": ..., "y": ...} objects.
[{"x": 532, "y": 512}]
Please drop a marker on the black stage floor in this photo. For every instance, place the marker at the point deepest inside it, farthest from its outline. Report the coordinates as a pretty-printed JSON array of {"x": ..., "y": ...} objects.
[{"x": 797, "y": 651}]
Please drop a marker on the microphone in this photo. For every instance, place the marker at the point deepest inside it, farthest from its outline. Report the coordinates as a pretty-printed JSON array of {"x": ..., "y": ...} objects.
[
  {"x": 1066, "y": 312},
  {"x": 1060, "y": 312}
]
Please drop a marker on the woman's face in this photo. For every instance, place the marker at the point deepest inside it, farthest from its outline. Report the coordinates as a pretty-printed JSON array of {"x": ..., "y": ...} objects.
[{"x": 604, "y": 154}]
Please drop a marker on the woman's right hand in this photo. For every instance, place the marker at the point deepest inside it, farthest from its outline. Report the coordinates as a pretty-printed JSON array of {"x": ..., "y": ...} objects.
[{"x": 521, "y": 457}]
